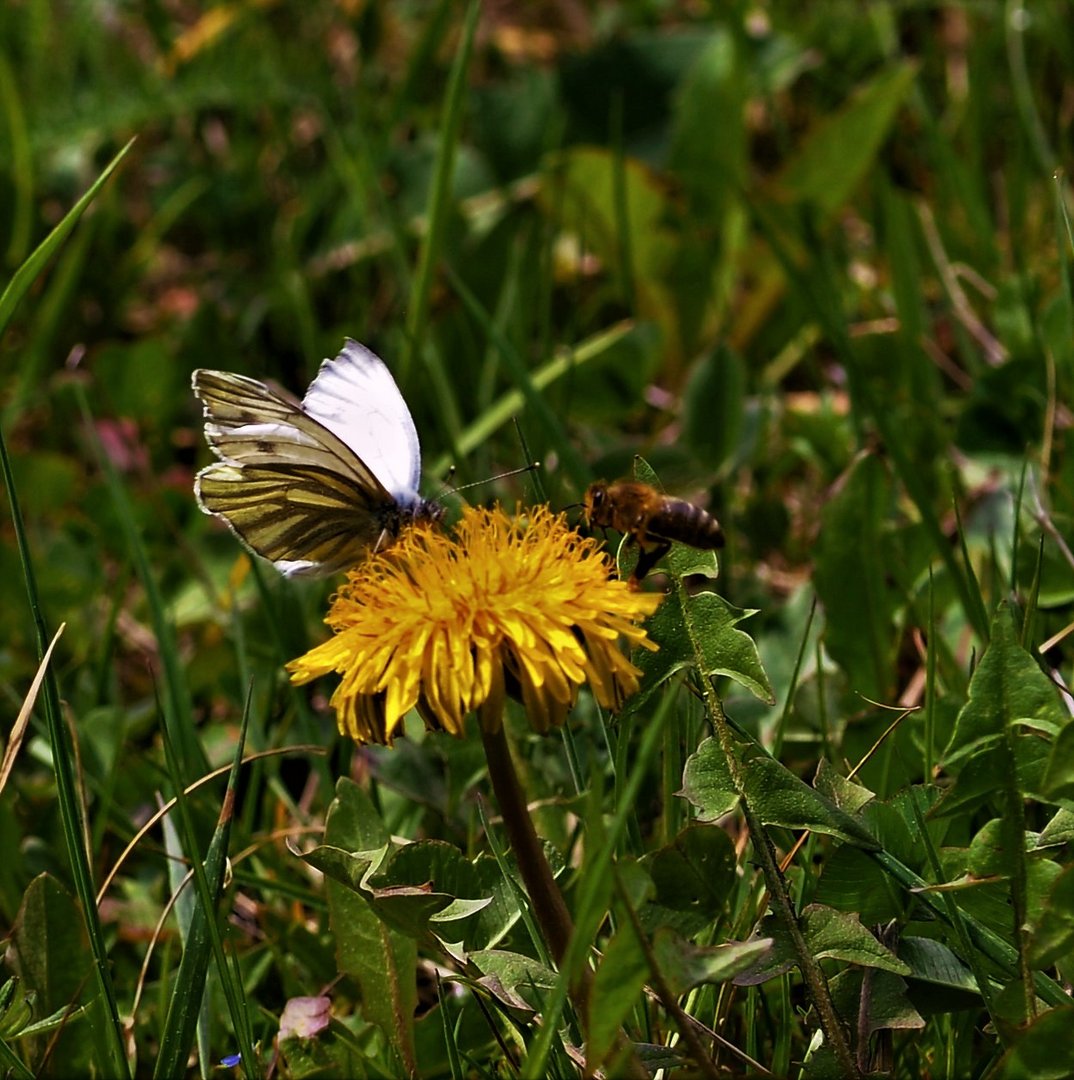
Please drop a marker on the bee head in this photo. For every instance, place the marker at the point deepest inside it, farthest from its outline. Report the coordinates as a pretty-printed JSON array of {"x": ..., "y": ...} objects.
[
  {"x": 595, "y": 502},
  {"x": 596, "y": 496}
]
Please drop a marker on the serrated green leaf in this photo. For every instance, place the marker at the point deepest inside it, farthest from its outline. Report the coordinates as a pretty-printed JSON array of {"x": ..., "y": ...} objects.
[
  {"x": 778, "y": 797},
  {"x": 1008, "y": 689},
  {"x": 844, "y": 793},
  {"x": 725, "y": 650}
]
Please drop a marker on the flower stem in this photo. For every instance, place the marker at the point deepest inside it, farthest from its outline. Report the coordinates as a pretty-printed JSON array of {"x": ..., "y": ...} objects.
[{"x": 546, "y": 900}]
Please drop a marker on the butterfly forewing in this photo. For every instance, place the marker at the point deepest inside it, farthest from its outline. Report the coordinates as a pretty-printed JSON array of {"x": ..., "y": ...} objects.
[
  {"x": 249, "y": 423},
  {"x": 382, "y": 432}
]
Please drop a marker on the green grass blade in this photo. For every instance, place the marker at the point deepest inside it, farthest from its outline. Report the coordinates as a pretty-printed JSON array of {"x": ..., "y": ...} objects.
[
  {"x": 27, "y": 273},
  {"x": 554, "y": 429},
  {"x": 814, "y": 283},
  {"x": 21, "y": 164},
  {"x": 64, "y": 761},
  {"x": 439, "y": 197},
  {"x": 502, "y": 410}
]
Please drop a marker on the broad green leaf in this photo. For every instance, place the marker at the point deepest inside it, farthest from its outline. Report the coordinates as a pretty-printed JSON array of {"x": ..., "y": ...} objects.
[
  {"x": 725, "y": 650},
  {"x": 1058, "y": 782},
  {"x": 851, "y": 881},
  {"x": 1011, "y": 705},
  {"x": 940, "y": 981},
  {"x": 887, "y": 999},
  {"x": 48, "y": 950},
  {"x": 840, "y": 149},
  {"x": 1053, "y": 935},
  {"x": 979, "y": 784},
  {"x": 1008, "y": 690},
  {"x": 841, "y": 936},
  {"x": 830, "y": 934},
  {"x": 850, "y": 578},
  {"x": 696, "y": 871},
  {"x": 714, "y": 407},
  {"x": 618, "y": 209},
  {"x": 708, "y": 158},
  {"x": 500, "y": 912},
  {"x": 1044, "y": 1050},
  {"x": 591, "y": 196},
  {"x": 844, "y": 793},
  {"x": 707, "y": 782},
  {"x": 685, "y": 965},
  {"x": 711, "y": 102},
  {"x": 778, "y": 797},
  {"x": 378, "y": 958},
  {"x": 350, "y": 868},
  {"x": 353, "y": 822},
  {"x": 521, "y": 976}
]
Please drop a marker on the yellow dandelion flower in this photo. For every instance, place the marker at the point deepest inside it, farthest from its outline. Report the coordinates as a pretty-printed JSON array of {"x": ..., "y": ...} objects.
[{"x": 450, "y": 625}]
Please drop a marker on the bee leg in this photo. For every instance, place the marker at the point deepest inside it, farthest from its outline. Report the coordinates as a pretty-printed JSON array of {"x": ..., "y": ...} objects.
[{"x": 647, "y": 560}]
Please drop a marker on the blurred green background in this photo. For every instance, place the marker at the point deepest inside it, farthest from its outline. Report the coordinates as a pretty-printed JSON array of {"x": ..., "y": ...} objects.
[{"x": 810, "y": 260}]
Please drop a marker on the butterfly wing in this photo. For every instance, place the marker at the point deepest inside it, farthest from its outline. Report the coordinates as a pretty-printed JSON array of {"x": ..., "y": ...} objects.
[
  {"x": 290, "y": 487},
  {"x": 380, "y": 429}
]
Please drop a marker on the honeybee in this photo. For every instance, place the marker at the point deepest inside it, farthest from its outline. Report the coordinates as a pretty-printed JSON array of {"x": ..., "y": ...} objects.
[{"x": 651, "y": 519}]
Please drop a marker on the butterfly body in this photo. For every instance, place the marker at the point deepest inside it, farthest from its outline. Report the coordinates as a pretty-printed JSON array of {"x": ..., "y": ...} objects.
[
  {"x": 314, "y": 486},
  {"x": 650, "y": 519}
]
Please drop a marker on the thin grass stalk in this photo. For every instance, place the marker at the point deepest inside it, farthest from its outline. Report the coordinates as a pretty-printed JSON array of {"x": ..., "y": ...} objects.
[
  {"x": 204, "y": 938},
  {"x": 177, "y": 712}
]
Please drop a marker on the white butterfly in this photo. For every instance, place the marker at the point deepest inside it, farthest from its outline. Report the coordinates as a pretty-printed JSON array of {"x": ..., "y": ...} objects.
[{"x": 314, "y": 486}]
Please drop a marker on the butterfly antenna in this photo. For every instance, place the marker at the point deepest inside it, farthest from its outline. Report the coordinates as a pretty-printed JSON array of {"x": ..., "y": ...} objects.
[{"x": 499, "y": 476}]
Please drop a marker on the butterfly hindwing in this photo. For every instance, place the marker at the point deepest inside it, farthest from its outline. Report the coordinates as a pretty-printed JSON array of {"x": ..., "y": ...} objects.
[{"x": 302, "y": 518}]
